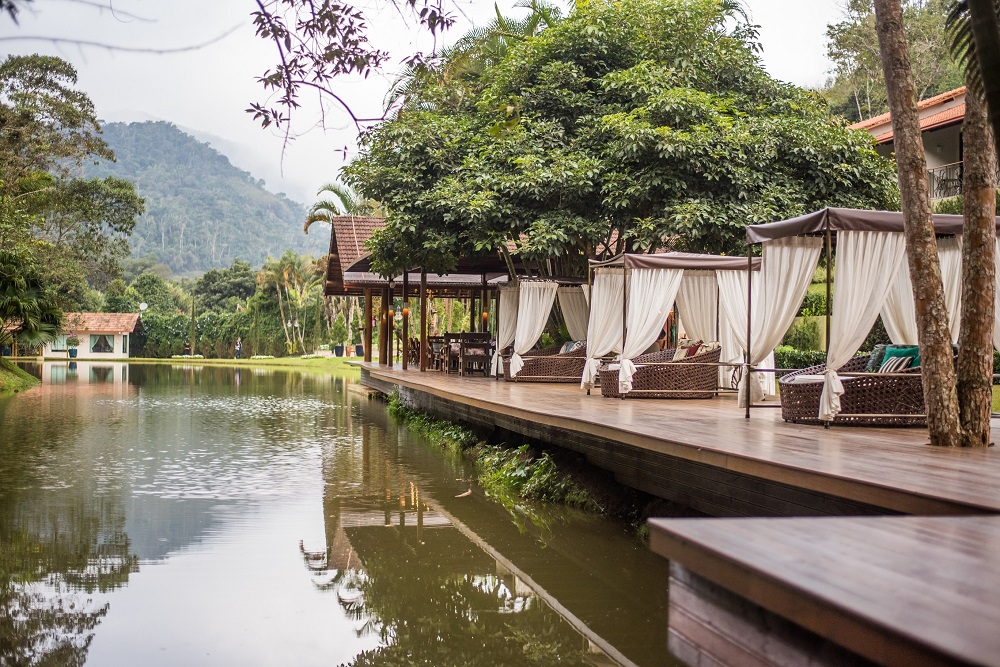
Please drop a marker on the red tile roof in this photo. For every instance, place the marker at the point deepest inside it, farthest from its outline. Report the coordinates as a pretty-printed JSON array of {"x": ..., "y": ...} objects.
[
  {"x": 100, "y": 322},
  {"x": 949, "y": 116}
]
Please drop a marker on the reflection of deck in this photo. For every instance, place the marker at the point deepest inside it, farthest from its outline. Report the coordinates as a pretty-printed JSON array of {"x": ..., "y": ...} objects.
[{"x": 703, "y": 453}]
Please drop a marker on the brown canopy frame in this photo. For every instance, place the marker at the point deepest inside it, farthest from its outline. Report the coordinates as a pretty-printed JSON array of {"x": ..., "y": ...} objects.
[{"x": 678, "y": 260}]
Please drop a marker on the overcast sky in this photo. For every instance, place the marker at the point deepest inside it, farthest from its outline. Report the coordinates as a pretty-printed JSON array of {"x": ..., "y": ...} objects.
[{"x": 206, "y": 91}]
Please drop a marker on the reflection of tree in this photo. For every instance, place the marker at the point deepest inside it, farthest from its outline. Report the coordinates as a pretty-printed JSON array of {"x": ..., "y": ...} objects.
[
  {"x": 53, "y": 557},
  {"x": 435, "y": 602}
]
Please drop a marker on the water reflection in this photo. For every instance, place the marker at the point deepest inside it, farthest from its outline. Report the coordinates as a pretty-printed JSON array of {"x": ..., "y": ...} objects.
[{"x": 204, "y": 515}]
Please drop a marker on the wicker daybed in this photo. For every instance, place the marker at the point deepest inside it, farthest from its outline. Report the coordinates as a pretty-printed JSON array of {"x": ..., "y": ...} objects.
[
  {"x": 549, "y": 365},
  {"x": 662, "y": 377},
  {"x": 869, "y": 399}
]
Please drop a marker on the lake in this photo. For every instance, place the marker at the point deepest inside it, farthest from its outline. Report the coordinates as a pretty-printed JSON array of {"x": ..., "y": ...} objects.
[{"x": 198, "y": 515}]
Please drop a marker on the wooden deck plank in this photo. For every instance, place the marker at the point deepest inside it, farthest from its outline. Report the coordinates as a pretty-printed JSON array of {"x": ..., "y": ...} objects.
[
  {"x": 891, "y": 468},
  {"x": 871, "y": 584}
]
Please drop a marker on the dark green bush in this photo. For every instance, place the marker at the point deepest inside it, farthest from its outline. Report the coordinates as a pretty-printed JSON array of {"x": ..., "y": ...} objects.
[
  {"x": 786, "y": 356},
  {"x": 803, "y": 335},
  {"x": 814, "y": 304}
]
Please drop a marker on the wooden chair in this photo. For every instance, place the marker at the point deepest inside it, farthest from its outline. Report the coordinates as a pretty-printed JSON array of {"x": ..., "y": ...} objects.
[
  {"x": 435, "y": 352},
  {"x": 451, "y": 352},
  {"x": 474, "y": 353}
]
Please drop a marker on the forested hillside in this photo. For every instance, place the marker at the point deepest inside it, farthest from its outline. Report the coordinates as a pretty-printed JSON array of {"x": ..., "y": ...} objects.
[{"x": 201, "y": 211}]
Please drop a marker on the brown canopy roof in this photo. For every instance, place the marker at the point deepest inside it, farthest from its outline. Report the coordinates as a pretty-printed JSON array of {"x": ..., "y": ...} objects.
[
  {"x": 679, "y": 260},
  {"x": 347, "y": 244},
  {"x": 846, "y": 219},
  {"x": 101, "y": 322}
]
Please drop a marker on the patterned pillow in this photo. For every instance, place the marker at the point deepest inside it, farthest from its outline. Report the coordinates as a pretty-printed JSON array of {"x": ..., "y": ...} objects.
[
  {"x": 876, "y": 359},
  {"x": 895, "y": 364},
  {"x": 687, "y": 348}
]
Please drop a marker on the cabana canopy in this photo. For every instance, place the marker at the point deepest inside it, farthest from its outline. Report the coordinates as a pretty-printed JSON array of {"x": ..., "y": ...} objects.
[
  {"x": 678, "y": 260},
  {"x": 846, "y": 219}
]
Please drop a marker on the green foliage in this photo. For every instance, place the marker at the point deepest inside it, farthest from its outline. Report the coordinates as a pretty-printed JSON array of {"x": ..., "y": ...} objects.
[
  {"x": 225, "y": 289},
  {"x": 119, "y": 298},
  {"x": 522, "y": 473},
  {"x": 201, "y": 211},
  {"x": 953, "y": 205},
  {"x": 14, "y": 379},
  {"x": 73, "y": 340},
  {"x": 803, "y": 335},
  {"x": 648, "y": 122},
  {"x": 153, "y": 290},
  {"x": 813, "y": 304},
  {"x": 878, "y": 335},
  {"x": 338, "y": 333},
  {"x": 447, "y": 435},
  {"x": 786, "y": 356}
]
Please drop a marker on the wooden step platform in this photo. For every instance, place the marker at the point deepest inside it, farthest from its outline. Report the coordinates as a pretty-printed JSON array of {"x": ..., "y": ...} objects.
[{"x": 892, "y": 590}]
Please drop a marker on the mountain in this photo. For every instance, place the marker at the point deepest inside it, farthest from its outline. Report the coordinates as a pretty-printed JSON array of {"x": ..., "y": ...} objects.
[{"x": 201, "y": 211}]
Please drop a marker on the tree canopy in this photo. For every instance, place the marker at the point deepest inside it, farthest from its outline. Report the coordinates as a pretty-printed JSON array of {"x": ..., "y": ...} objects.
[{"x": 636, "y": 125}]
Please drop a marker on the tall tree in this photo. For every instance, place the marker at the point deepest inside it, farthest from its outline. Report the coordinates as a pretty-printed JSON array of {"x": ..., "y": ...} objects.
[{"x": 940, "y": 392}]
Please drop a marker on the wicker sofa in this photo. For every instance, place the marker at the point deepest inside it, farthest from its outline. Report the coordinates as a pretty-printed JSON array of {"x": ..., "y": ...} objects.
[
  {"x": 666, "y": 378},
  {"x": 548, "y": 365},
  {"x": 871, "y": 399}
]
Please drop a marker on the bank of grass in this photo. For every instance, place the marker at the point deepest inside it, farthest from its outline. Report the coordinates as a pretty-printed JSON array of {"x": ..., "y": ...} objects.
[
  {"x": 510, "y": 473},
  {"x": 14, "y": 379},
  {"x": 330, "y": 364}
]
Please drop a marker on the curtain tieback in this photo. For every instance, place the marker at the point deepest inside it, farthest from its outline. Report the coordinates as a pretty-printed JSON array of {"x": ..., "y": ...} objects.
[
  {"x": 625, "y": 373},
  {"x": 516, "y": 364},
  {"x": 833, "y": 389}
]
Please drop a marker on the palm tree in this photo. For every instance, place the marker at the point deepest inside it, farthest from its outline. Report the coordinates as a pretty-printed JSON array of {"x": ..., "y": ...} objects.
[
  {"x": 975, "y": 32},
  {"x": 344, "y": 201},
  {"x": 28, "y": 311}
]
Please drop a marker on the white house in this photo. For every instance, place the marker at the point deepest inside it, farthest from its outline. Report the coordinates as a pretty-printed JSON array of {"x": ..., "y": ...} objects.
[
  {"x": 941, "y": 120},
  {"x": 101, "y": 335}
]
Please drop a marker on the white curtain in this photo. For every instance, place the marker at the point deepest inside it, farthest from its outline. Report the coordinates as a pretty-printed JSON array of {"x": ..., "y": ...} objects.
[
  {"x": 950, "y": 255},
  {"x": 786, "y": 270},
  {"x": 506, "y": 323},
  {"x": 534, "y": 304},
  {"x": 651, "y": 294},
  {"x": 867, "y": 265},
  {"x": 899, "y": 314},
  {"x": 732, "y": 353},
  {"x": 573, "y": 304},
  {"x": 733, "y": 317},
  {"x": 604, "y": 329},
  {"x": 698, "y": 303}
]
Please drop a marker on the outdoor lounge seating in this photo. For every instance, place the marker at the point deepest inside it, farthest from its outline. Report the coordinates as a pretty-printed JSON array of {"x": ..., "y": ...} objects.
[
  {"x": 869, "y": 399},
  {"x": 657, "y": 375},
  {"x": 549, "y": 365}
]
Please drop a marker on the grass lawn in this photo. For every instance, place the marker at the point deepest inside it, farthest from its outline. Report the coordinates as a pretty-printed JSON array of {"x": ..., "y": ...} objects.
[
  {"x": 14, "y": 379},
  {"x": 996, "y": 398},
  {"x": 317, "y": 364}
]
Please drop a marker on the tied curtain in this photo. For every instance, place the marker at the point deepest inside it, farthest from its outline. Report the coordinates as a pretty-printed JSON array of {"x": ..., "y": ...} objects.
[
  {"x": 867, "y": 265},
  {"x": 506, "y": 324},
  {"x": 604, "y": 329},
  {"x": 533, "y": 307},
  {"x": 733, "y": 332},
  {"x": 899, "y": 314},
  {"x": 698, "y": 302},
  {"x": 573, "y": 304},
  {"x": 651, "y": 294}
]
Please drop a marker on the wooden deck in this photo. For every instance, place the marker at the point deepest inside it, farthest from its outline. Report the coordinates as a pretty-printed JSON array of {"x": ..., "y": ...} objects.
[
  {"x": 896, "y": 590},
  {"x": 892, "y": 469}
]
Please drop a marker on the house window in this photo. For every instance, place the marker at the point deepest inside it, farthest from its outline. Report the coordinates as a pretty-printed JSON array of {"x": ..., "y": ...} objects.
[
  {"x": 101, "y": 344},
  {"x": 59, "y": 344},
  {"x": 124, "y": 343}
]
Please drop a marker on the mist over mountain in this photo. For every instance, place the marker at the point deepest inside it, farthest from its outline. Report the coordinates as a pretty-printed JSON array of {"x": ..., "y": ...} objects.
[{"x": 201, "y": 211}]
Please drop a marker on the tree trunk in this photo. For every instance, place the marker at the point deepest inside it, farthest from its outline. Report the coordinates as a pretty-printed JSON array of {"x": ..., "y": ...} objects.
[
  {"x": 940, "y": 393},
  {"x": 985, "y": 19},
  {"x": 975, "y": 343}
]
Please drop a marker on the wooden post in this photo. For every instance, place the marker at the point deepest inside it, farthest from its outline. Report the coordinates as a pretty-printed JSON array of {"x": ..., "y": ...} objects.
[
  {"x": 749, "y": 319},
  {"x": 423, "y": 320},
  {"x": 472, "y": 311},
  {"x": 368, "y": 324},
  {"x": 390, "y": 314},
  {"x": 624, "y": 315},
  {"x": 484, "y": 306},
  {"x": 406, "y": 320},
  {"x": 829, "y": 266}
]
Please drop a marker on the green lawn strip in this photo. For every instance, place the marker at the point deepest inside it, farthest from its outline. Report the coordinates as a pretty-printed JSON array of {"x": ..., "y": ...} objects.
[{"x": 14, "y": 379}]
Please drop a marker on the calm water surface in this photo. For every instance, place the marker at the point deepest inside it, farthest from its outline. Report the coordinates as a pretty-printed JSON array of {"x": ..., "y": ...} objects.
[{"x": 172, "y": 515}]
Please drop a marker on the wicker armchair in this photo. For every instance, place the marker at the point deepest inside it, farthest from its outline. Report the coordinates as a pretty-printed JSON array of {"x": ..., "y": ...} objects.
[
  {"x": 871, "y": 399},
  {"x": 548, "y": 365},
  {"x": 666, "y": 378}
]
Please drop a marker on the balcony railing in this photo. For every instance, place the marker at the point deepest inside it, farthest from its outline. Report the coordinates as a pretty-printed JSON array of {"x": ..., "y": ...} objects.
[{"x": 945, "y": 181}]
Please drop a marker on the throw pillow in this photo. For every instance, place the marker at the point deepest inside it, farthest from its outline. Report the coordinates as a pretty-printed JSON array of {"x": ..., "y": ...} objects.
[
  {"x": 687, "y": 348},
  {"x": 567, "y": 347},
  {"x": 911, "y": 351},
  {"x": 577, "y": 345},
  {"x": 895, "y": 364},
  {"x": 876, "y": 358}
]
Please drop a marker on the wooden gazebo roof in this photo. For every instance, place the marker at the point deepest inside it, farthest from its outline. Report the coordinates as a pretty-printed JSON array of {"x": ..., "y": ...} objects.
[{"x": 347, "y": 246}]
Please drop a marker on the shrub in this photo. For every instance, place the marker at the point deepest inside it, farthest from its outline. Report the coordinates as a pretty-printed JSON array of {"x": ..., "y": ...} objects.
[
  {"x": 813, "y": 305},
  {"x": 786, "y": 356},
  {"x": 803, "y": 335}
]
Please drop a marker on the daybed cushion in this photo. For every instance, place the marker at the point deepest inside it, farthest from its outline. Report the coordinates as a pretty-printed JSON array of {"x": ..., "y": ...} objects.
[
  {"x": 911, "y": 351},
  {"x": 687, "y": 348},
  {"x": 895, "y": 364}
]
